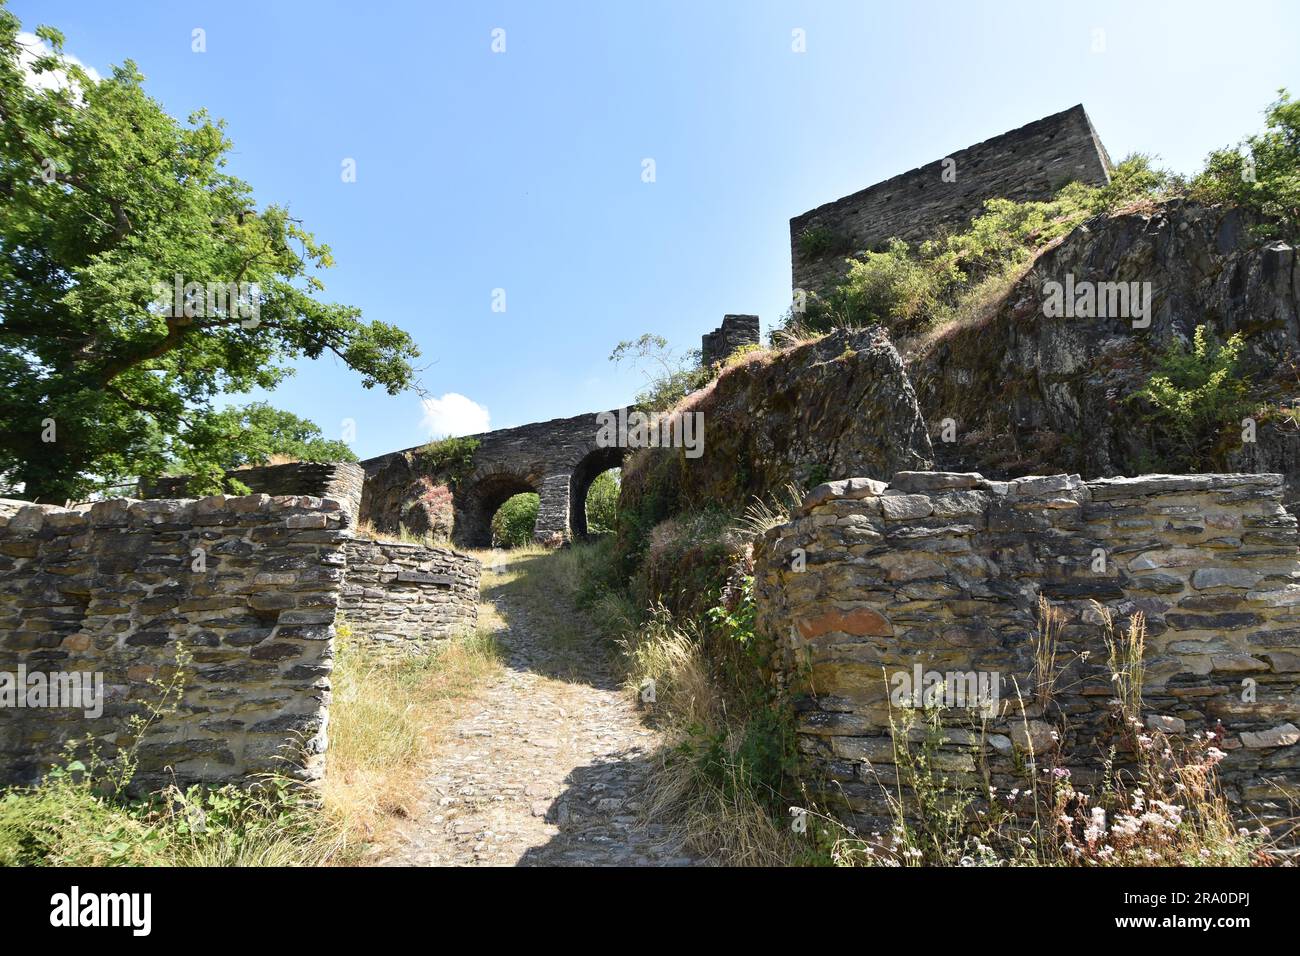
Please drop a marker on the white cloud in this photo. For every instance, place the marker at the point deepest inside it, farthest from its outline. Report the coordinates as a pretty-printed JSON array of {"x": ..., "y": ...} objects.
[
  {"x": 452, "y": 415},
  {"x": 30, "y": 48}
]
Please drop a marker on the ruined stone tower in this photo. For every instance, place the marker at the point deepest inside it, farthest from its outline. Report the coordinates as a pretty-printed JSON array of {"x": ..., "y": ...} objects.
[{"x": 1027, "y": 164}]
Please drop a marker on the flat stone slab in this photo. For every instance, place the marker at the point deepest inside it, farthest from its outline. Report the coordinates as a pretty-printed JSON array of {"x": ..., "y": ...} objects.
[
  {"x": 424, "y": 577},
  {"x": 927, "y": 481}
]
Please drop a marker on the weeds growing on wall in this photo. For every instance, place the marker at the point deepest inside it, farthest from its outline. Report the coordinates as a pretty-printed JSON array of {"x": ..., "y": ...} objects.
[
  {"x": 449, "y": 459},
  {"x": 1163, "y": 807},
  {"x": 82, "y": 812},
  {"x": 385, "y": 713}
]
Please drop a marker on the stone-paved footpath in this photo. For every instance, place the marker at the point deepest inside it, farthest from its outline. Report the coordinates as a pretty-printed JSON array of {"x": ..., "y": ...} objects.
[{"x": 540, "y": 771}]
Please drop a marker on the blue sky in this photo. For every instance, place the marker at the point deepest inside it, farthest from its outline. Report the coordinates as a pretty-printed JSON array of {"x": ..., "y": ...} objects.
[{"x": 522, "y": 170}]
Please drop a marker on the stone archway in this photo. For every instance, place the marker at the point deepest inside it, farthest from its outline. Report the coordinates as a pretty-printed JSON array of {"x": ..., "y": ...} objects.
[
  {"x": 584, "y": 473},
  {"x": 478, "y": 500},
  {"x": 557, "y": 459}
]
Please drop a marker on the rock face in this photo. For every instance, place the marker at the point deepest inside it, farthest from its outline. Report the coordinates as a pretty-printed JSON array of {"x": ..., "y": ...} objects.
[
  {"x": 870, "y": 588},
  {"x": 1028, "y": 392},
  {"x": 839, "y": 406}
]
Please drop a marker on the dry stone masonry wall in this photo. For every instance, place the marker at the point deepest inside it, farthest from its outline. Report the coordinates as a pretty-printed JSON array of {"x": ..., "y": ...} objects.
[
  {"x": 338, "y": 479},
  {"x": 214, "y": 620},
  {"x": 239, "y": 593},
  {"x": 406, "y": 595},
  {"x": 735, "y": 332},
  {"x": 940, "y": 573}
]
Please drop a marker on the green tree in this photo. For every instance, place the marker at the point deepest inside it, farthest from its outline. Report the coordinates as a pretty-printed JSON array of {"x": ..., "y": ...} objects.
[
  {"x": 1263, "y": 174},
  {"x": 512, "y": 525},
  {"x": 669, "y": 377},
  {"x": 104, "y": 200},
  {"x": 248, "y": 435},
  {"x": 602, "y": 503}
]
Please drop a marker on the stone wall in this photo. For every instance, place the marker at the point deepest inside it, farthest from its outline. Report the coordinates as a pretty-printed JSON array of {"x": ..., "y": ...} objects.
[
  {"x": 240, "y": 592},
  {"x": 407, "y": 595},
  {"x": 337, "y": 479},
  {"x": 556, "y": 459},
  {"x": 1029, "y": 163},
  {"x": 735, "y": 332},
  {"x": 944, "y": 571}
]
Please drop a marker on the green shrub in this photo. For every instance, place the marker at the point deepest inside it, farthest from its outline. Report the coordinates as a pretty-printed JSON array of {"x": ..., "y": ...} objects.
[
  {"x": 670, "y": 377},
  {"x": 1263, "y": 174},
  {"x": 71, "y": 819},
  {"x": 450, "y": 459},
  {"x": 512, "y": 525},
  {"x": 602, "y": 503},
  {"x": 895, "y": 287},
  {"x": 908, "y": 289},
  {"x": 821, "y": 241},
  {"x": 1194, "y": 401}
]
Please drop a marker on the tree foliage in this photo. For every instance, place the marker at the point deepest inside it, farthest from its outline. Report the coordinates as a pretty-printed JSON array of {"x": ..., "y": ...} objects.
[
  {"x": 512, "y": 525},
  {"x": 103, "y": 198},
  {"x": 602, "y": 503},
  {"x": 1263, "y": 173},
  {"x": 249, "y": 435}
]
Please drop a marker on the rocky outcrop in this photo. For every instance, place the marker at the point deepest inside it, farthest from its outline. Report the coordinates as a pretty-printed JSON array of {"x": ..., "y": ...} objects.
[
  {"x": 1028, "y": 392},
  {"x": 839, "y": 406}
]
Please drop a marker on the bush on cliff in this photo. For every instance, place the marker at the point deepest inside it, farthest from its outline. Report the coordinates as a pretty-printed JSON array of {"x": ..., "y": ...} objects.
[
  {"x": 1263, "y": 173},
  {"x": 1194, "y": 403},
  {"x": 908, "y": 289}
]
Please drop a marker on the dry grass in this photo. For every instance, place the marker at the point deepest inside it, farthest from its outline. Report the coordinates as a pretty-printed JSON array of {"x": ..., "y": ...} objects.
[
  {"x": 367, "y": 529},
  {"x": 385, "y": 719}
]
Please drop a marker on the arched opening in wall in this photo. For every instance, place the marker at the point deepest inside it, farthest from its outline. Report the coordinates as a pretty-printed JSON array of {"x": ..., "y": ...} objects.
[
  {"x": 485, "y": 500},
  {"x": 513, "y": 523},
  {"x": 601, "y": 461},
  {"x": 602, "y": 502}
]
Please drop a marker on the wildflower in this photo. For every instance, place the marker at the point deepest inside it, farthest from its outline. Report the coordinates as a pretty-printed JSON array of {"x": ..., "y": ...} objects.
[
  {"x": 1213, "y": 756},
  {"x": 1096, "y": 828},
  {"x": 1125, "y": 826}
]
